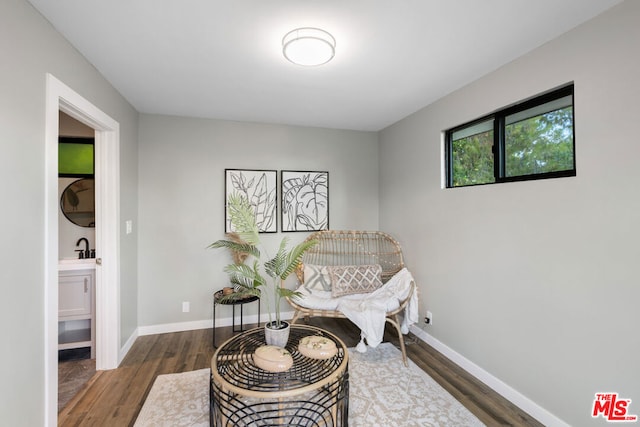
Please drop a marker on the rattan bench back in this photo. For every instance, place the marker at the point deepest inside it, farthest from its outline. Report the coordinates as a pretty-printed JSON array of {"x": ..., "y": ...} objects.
[{"x": 348, "y": 247}]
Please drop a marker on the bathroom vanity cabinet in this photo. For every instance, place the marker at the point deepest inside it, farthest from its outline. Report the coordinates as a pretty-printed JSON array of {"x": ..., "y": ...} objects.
[{"x": 76, "y": 307}]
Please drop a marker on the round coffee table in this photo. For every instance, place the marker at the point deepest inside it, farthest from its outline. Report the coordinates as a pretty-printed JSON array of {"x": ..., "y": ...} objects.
[{"x": 312, "y": 392}]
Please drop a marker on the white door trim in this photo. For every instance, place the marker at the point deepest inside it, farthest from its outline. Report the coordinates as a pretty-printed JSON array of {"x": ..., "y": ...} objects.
[{"x": 60, "y": 97}]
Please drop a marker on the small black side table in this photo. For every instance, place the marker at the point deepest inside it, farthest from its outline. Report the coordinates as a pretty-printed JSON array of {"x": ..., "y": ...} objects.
[{"x": 236, "y": 300}]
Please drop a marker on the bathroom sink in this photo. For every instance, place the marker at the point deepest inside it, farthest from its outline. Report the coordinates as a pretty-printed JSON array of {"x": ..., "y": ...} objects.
[
  {"x": 76, "y": 264},
  {"x": 77, "y": 261}
]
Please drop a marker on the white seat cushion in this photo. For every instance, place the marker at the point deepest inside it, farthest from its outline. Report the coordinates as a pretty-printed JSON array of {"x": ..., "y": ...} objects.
[{"x": 322, "y": 300}]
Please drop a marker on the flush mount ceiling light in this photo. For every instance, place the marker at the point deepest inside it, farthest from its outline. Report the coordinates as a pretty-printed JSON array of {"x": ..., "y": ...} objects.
[{"x": 308, "y": 46}]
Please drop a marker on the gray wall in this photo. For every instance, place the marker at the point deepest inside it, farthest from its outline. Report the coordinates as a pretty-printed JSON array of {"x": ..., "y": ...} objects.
[
  {"x": 536, "y": 282},
  {"x": 31, "y": 48},
  {"x": 182, "y": 163}
]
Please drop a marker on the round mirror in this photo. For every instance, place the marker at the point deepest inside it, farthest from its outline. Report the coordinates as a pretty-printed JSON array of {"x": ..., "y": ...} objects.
[{"x": 78, "y": 202}]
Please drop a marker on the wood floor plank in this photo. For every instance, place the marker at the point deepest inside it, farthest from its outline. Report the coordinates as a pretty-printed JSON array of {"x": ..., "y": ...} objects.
[{"x": 115, "y": 397}]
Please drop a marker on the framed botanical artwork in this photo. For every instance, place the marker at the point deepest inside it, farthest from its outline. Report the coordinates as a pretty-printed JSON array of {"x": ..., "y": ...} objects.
[
  {"x": 305, "y": 200},
  {"x": 259, "y": 188}
]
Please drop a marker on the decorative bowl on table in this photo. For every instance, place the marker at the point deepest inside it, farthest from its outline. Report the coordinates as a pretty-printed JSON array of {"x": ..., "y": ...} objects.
[
  {"x": 272, "y": 358},
  {"x": 317, "y": 347}
]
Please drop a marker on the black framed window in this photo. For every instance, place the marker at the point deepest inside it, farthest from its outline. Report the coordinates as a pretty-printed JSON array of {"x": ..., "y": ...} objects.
[
  {"x": 76, "y": 158},
  {"x": 534, "y": 139}
]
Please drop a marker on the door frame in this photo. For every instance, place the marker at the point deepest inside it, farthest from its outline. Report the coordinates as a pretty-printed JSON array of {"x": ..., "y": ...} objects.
[{"x": 59, "y": 97}]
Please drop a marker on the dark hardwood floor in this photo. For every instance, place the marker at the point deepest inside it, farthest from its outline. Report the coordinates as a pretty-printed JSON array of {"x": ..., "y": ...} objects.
[{"x": 114, "y": 398}]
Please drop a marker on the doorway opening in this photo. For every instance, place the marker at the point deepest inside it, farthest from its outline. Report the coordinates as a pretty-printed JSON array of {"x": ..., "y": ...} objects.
[
  {"x": 76, "y": 287},
  {"x": 107, "y": 274}
]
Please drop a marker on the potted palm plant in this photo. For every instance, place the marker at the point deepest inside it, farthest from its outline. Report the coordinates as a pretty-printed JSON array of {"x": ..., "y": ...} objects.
[{"x": 247, "y": 276}]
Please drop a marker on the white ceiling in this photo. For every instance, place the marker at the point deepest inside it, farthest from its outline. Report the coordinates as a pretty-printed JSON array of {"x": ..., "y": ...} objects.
[{"x": 222, "y": 59}]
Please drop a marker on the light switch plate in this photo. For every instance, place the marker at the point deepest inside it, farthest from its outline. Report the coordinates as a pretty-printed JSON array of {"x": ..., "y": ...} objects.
[{"x": 129, "y": 226}]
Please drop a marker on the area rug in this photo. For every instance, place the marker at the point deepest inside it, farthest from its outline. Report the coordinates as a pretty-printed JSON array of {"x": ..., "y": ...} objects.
[
  {"x": 177, "y": 400},
  {"x": 382, "y": 392}
]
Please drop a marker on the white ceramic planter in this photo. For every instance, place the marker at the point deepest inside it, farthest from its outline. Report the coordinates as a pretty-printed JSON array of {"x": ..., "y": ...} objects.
[{"x": 277, "y": 337}]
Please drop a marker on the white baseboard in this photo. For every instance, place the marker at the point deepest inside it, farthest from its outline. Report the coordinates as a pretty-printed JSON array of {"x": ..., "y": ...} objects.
[
  {"x": 166, "y": 328},
  {"x": 508, "y": 392},
  {"x": 204, "y": 324},
  {"x": 127, "y": 346}
]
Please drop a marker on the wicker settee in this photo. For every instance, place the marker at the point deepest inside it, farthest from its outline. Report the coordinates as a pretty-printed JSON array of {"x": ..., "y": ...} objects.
[{"x": 355, "y": 248}]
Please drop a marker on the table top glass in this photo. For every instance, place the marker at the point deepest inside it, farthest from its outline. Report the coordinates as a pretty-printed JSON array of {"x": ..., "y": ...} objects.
[{"x": 233, "y": 299}]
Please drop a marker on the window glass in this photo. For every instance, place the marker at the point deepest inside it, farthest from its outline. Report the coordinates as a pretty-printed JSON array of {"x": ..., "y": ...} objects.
[
  {"x": 473, "y": 155},
  {"x": 75, "y": 157},
  {"x": 540, "y": 140}
]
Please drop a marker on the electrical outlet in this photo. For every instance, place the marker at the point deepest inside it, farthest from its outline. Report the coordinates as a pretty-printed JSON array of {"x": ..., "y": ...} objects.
[
  {"x": 185, "y": 306},
  {"x": 428, "y": 319}
]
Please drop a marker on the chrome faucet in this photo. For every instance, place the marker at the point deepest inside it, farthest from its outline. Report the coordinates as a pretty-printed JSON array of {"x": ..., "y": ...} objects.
[{"x": 86, "y": 253}]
